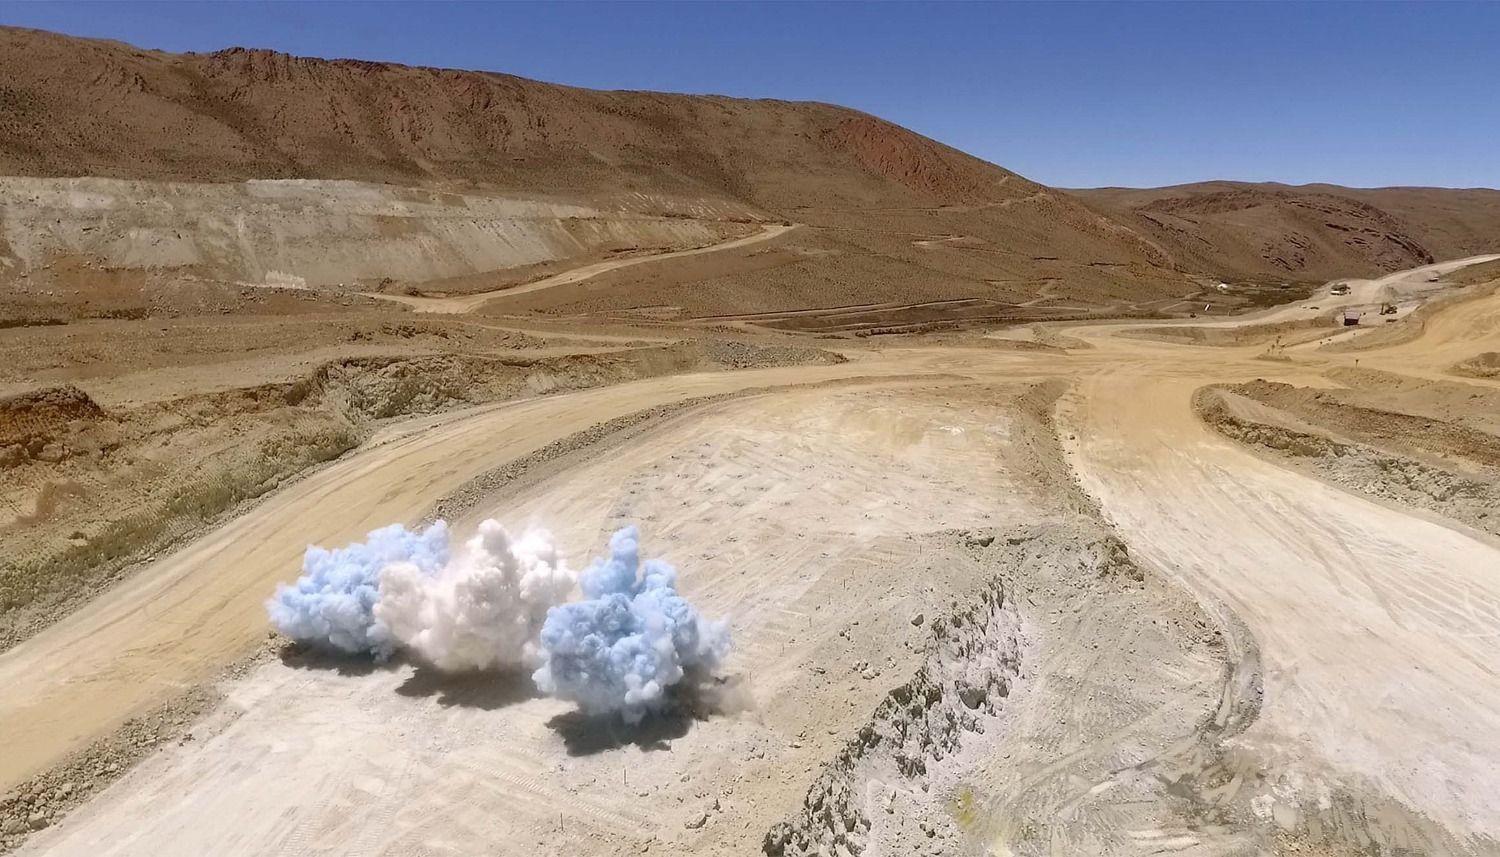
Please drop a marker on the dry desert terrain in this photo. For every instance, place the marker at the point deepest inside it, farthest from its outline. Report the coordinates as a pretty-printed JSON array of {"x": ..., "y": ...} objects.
[{"x": 1042, "y": 521}]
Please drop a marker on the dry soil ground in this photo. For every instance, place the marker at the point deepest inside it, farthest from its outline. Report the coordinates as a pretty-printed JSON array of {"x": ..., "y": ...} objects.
[
  {"x": 1212, "y": 585},
  {"x": 1135, "y": 635}
]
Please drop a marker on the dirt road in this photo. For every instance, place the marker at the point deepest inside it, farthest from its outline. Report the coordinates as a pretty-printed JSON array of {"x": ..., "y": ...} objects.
[
  {"x": 469, "y": 303},
  {"x": 1377, "y": 626},
  {"x": 1361, "y": 293},
  {"x": 201, "y": 608}
]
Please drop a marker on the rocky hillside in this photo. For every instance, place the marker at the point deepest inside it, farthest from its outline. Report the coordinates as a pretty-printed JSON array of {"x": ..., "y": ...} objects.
[
  {"x": 867, "y": 189},
  {"x": 76, "y": 107},
  {"x": 891, "y": 216},
  {"x": 1308, "y": 231}
]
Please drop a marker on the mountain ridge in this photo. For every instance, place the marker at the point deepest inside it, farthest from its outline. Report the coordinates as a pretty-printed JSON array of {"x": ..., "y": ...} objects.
[{"x": 890, "y": 215}]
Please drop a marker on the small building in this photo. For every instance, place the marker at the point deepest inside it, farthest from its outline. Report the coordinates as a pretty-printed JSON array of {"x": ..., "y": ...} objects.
[{"x": 1351, "y": 318}]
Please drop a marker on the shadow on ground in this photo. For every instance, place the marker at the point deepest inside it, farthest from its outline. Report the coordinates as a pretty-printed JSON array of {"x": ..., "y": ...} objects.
[
  {"x": 487, "y": 690},
  {"x": 701, "y": 696},
  {"x": 303, "y": 657},
  {"x": 587, "y": 734}
]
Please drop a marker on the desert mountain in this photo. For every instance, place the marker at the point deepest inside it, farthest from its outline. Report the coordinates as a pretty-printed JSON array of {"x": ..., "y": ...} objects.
[
  {"x": 453, "y": 180},
  {"x": 1319, "y": 231},
  {"x": 76, "y": 107}
]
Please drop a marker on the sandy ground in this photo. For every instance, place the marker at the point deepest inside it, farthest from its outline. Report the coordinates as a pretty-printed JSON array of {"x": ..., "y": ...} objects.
[
  {"x": 1372, "y": 627},
  {"x": 790, "y": 514},
  {"x": 148, "y": 656},
  {"x": 1375, "y": 625}
]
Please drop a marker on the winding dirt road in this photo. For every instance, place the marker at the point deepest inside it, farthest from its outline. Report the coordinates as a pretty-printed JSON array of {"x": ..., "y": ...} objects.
[
  {"x": 1378, "y": 628},
  {"x": 469, "y": 303}
]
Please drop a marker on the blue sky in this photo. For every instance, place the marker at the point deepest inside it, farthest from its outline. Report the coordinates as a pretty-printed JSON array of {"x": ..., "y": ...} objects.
[{"x": 1073, "y": 94}]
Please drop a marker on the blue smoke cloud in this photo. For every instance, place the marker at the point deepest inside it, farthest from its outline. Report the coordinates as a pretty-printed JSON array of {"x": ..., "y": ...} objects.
[
  {"x": 629, "y": 640},
  {"x": 332, "y": 604}
]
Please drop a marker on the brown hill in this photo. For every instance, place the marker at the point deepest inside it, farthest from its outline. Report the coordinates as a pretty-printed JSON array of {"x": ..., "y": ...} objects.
[
  {"x": 890, "y": 217},
  {"x": 1309, "y": 231},
  {"x": 76, "y": 107}
]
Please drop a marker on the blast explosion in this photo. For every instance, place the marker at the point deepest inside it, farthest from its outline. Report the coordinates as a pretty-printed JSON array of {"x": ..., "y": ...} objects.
[
  {"x": 332, "y": 604},
  {"x": 619, "y": 649},
  {"x": 482, "y": 610},
  {"x": 630, "y": 639}
]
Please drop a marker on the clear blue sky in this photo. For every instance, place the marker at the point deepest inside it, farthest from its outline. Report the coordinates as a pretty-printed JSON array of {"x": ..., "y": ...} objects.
[{"x": 1069, "y": 94}]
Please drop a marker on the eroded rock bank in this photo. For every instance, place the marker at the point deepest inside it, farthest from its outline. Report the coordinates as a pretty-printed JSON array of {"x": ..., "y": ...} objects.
[
  {"x": 91, "y": 491},
  {"x": 1431, "y": 445}
]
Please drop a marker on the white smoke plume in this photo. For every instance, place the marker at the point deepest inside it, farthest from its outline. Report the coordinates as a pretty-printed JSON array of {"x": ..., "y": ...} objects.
[
  {"x": 332, "y": 604},
  {"x": 483, "y": 609},
  {"x": 630, "y": 639},
  {"x": 479, "y": 609},
  {"x": 497, "y": 603}
]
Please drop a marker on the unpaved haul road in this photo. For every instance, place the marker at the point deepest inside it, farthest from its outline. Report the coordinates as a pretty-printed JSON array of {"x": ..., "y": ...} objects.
[
  {"x": 469, "y": 303},
  {"x": 1378, "y": 629}
]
